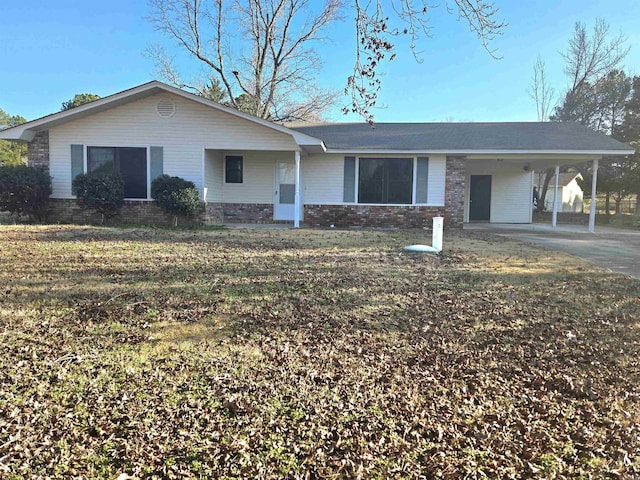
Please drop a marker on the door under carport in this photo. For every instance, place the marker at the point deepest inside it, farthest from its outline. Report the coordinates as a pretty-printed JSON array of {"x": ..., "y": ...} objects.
[{"x": 480, "y": 198}]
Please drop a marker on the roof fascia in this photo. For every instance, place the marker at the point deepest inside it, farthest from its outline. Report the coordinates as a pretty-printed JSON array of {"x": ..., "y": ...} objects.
[{"x": 481, "y": 153}]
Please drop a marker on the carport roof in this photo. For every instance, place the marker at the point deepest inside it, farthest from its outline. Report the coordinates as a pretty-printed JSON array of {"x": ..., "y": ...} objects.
[{"x": 461, "y": 137}]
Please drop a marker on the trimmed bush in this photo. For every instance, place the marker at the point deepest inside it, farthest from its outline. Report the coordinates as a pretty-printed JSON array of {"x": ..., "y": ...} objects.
[
  {"x": 103, "y": 192},
  {"x": 175, "y": 195},
  {"x": 24, "y": 191}
]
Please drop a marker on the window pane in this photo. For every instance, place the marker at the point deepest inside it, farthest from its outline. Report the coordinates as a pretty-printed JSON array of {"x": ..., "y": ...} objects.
[
  {"x": 233, "y": 169},
  {"x": 287, "y": 193},
  {"x": 385, "y": 180},
  {"x": 371, "y": 180},
  {"x": 132, "y": 163},
  {"x": 101, "y": 159},
  {"x": 399, "y": 180}
]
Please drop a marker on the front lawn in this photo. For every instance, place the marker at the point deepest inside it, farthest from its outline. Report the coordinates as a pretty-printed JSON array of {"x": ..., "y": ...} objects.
[{"x": 152, "y": 353}]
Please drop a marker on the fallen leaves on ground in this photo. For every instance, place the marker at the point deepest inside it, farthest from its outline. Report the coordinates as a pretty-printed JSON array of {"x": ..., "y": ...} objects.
[{"x": 144, "y": 353}]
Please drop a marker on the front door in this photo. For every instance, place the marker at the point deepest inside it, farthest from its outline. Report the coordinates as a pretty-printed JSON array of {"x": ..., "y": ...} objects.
[
  {"x": 480, "y": 198},
  {"x": 285, "y": 190}
]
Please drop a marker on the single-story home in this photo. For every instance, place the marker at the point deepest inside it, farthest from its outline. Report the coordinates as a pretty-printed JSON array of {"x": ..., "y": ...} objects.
[
  {"x": 569, "y": 194},
  {"x": 345, "y": 174}
]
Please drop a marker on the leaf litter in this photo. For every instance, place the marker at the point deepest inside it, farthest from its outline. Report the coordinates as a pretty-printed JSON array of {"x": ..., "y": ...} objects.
[{"x": 143, "y": 353}]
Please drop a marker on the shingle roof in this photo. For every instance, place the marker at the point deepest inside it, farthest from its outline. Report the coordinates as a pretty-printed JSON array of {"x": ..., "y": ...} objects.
[{"x": 545, "y": 136}]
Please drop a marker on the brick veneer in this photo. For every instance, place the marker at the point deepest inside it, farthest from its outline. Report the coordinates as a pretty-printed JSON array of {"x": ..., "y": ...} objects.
[
  {"x": 372, "y": 216},
  {"x": 454, "y": 190},
  {"x": 38, "y": 151},
  {"x": 148, "y": 213},
  {"x": 246, "y": 212}
]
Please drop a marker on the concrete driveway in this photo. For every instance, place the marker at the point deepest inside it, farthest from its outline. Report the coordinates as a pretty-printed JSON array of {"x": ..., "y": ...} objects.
[{"x": 613, "y": 248}]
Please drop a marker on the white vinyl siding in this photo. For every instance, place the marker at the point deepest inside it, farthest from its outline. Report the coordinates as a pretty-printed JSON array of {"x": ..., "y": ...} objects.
[
  {"x": 437, "y": 180},
  {"x": 511, "y": 190},
  {"x": 324, "y": 179},
  {"x": 213, "y": 175},
  {"x": 183, "y": 136},
  {"x": 258, "y": 183}
]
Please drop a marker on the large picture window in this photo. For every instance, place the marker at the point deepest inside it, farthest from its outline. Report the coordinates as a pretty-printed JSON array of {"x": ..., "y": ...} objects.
[
  {"x": 385, "y": 180},
  {"x": 130, "y": 162}
]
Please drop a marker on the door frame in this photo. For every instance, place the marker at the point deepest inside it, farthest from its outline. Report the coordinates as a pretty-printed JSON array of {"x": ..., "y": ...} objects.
[
  {"x": 276, "y": 191},
  {"x": 469, "y": 199}
]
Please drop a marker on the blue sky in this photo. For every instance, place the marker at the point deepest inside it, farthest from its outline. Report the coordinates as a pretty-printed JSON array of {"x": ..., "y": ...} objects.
[{"x": 50, "y": 51}]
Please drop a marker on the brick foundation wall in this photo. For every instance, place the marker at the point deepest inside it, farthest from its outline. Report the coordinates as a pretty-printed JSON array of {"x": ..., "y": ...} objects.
[
  {"x": 38, "y": 151},
  {"x": 148, "y": 213},
  {"x": 372, "y": 216},
  {"x": 133, "y": 212},
  {"x": 454, "y": 190},
  {"x": 245, "y": 212}
]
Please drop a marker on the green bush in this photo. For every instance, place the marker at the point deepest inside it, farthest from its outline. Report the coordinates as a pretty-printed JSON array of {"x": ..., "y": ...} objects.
[
  {"x": 103, "y": 192},
  {"x": 24, "y": 191},
  {"x": 175, "y": 195}
]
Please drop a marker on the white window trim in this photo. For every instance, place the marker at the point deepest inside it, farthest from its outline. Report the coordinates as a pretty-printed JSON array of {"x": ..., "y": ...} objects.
[
  {"x": 147, "y": 149},
  {"x": 224, "y": 168},
  {"x": 414, "y": 184}
]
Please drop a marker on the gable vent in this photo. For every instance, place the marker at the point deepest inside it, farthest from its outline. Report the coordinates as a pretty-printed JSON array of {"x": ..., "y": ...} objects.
[{"x": 165, "y": 108}]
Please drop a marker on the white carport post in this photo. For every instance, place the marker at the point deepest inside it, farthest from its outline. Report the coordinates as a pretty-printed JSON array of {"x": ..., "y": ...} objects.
[
  {"x": 296, "y": 202},
  {"x": 592, "y": 209},
  {"x": 554, "y": 217}
]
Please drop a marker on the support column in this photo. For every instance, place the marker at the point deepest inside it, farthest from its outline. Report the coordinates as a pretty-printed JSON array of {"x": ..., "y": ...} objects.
[
  {"x": 296, "y": 213},
  {"x": 592, "y": 210},
  {"x": 554, "y": 217}
]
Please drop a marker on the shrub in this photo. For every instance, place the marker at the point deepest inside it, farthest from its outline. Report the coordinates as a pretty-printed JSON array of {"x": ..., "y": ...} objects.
[
  {"x": 24, "y": 191},
  {"x": 103, "y": 192},
  {"x": 175, "y": 195}
]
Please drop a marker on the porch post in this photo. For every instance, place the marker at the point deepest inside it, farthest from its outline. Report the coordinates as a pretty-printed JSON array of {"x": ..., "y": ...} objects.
[
  {"x": 296, "y": 213},
  {"x": 554, "y": 217},
  {"x": 592, "y": 209}
]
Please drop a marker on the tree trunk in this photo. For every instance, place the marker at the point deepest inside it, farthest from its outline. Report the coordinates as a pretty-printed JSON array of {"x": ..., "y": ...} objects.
[
  {"x": 542, "y": 193},
  {"x": 637, "y": 209},
  {"x": 607, "y": 202},
  {"x": 618, "y": 200}
]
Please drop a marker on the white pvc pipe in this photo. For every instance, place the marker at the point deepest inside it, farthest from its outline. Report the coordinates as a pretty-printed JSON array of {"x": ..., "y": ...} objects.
[{"x": 436, "y": 242}]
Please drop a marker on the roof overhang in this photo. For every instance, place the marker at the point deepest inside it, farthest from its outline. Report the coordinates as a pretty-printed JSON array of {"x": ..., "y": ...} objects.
[
  {"x": 491, "y": 154},
  {"x": 529, "y": 159},
  {"x": 27, "y": 131}
]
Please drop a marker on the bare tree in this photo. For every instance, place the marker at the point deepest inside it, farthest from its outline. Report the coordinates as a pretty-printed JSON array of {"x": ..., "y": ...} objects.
[
  {"x": 588, "y": 61},
  {"x": 595, "y": 93},
  {"x": 376, "y": 31},
  {"x": 273, "y": 77},
  {"x": 540, "y": 90}
]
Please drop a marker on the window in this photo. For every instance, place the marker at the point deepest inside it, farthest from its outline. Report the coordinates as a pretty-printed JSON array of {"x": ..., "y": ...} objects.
[
  {"x": 233, "y": 169},
  {"x": 385, "y": 180},
  {"x": 130, "y": 162}
]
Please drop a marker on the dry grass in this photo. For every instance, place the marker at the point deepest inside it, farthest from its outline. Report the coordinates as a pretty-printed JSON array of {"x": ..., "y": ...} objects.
[{"x": 311, "y": 354}]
